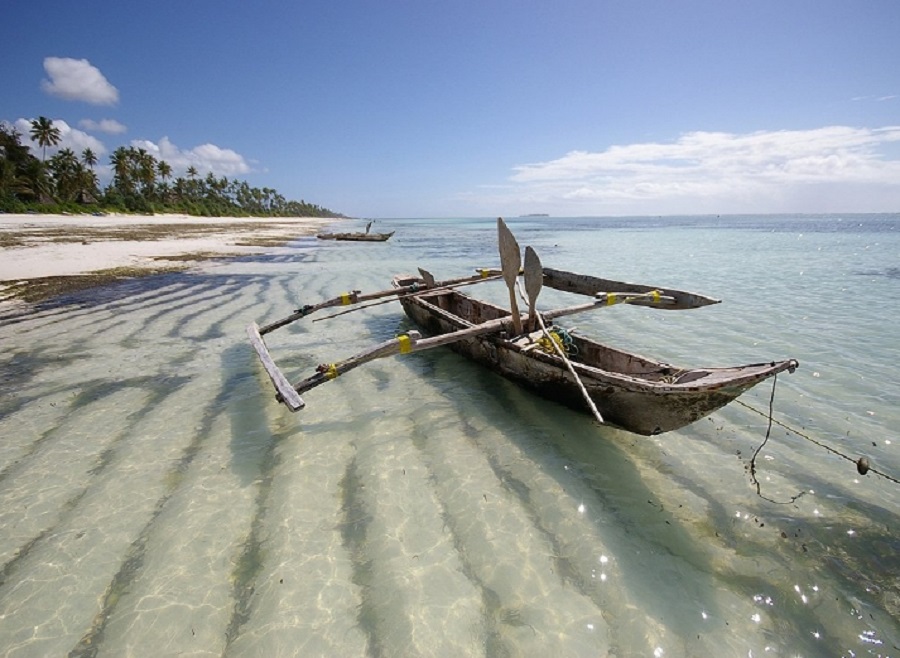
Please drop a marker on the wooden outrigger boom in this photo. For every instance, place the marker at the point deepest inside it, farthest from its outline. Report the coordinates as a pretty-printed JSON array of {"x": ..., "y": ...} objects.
[{"x": 411, "y": 342}]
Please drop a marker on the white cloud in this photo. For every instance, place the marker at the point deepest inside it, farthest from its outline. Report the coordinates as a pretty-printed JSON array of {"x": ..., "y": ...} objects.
[
  {"x": 69, "y": 138},
  {"x": 78, "y": 80},
  {"x": 109, "y": 126},
  {"x": 205, "y": 158},
  {"x": 835, "y": 168}
]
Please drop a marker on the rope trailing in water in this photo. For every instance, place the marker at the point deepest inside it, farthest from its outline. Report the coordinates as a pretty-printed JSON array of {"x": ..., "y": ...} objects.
[
  {"x": 862, "y": 464},
  {"x": 753, "y": 478}
]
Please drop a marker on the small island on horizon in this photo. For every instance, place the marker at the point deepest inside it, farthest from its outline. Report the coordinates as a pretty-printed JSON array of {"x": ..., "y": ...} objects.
[{"x": 536, "y": 214}]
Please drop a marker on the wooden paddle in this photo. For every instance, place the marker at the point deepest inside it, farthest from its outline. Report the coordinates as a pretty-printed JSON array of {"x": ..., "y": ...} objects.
[
  {"x": 510, "y": 262},
  {"x": 412, "y": 342},
  {"x": 534, "y": 281}
]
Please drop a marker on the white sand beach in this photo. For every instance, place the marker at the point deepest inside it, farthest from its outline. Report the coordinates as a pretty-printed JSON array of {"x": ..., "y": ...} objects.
[{"x": 38, "y": 246}]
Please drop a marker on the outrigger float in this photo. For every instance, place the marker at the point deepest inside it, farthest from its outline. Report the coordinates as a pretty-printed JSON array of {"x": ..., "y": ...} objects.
[{"x": 619, "y": 388}]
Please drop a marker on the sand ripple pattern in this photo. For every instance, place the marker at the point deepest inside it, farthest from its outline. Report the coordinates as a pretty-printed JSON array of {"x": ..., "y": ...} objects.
[{"x": 155, "y": 500}]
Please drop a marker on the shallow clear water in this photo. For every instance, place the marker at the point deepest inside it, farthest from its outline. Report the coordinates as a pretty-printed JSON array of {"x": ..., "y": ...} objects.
[{"x": 155, "y": 500}]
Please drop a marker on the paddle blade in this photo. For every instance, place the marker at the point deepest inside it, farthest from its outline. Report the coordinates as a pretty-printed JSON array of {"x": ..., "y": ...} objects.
[
  {"x": 510, "y": 263},
  {"x": 427, "y": 277},
  {"x": 534, "y": 281},
  {"x": 510, "y": 256},
  {"x": 534, "y": 275}
]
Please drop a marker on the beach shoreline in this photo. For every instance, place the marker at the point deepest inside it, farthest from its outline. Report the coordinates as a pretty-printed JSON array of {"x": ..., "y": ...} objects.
[{"x": 74, "y": 249}]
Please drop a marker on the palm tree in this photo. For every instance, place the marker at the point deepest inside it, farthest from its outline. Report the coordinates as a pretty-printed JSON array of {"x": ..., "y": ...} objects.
[
  {"x": 123, "y": 175},
  {"x": 146, "y": 171},
  {"x": 44, "y": 133},
  {"x": 67, "y": 175},
  {"x": 164, "y": 169},
  {"x": 89, "y": 158}
]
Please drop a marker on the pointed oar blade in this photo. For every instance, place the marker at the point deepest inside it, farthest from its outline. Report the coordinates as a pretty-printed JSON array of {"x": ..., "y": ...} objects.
[
  {"x": 427, "y": 277},
  {"x": 534, "y": 281},
  {"x": 510, "y": 255},
  {"x": 510, "y": 263}
]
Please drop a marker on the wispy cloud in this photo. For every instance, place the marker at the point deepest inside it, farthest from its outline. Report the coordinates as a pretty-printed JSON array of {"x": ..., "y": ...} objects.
[
  {"x": 766, "y": 171},
  {"x": 205, "y": 158},
  {"x": 879, "y": 99},
  {"x": 78, "y": 80},
  {"x": 108, "y": 126}
]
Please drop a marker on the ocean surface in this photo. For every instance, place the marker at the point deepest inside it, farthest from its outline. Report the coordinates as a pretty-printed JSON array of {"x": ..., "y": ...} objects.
[{"x": 155, "y": 499}]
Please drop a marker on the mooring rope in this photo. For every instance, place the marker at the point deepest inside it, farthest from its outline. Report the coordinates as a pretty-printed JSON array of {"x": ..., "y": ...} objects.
[{"x": 862, "y": 464}]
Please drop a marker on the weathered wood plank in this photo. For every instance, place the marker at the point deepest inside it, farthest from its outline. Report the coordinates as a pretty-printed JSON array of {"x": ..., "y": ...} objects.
[{"x": 286, "y": 392}]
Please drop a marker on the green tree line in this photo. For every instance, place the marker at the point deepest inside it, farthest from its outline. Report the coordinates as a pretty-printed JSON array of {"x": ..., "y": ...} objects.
[{"x": 141, "y": 183}]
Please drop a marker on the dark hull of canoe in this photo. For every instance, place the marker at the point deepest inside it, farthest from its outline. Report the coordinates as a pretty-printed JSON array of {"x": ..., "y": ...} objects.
[
  {"x": 356, "y": 237},
  {"x": 631, "y": 392}
]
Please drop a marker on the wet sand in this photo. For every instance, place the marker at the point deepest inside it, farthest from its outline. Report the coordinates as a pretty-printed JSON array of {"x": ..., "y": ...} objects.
[{"x": 44, "y": 255}]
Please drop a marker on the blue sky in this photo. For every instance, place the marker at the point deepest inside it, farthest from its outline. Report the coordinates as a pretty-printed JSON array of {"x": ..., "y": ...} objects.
[{"x": 483, "y": 107}]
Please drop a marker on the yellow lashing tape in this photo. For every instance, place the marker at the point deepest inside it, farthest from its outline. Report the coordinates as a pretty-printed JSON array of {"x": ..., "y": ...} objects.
[
  {"x": 485, "y": 274},
  {"x": 332, "y": 372},
  {"x": 655, "y": 296},
  {"x": 611, "y": 298},
  {"x": 346, "y": 300},
  {"x": 405, "y": 344}
]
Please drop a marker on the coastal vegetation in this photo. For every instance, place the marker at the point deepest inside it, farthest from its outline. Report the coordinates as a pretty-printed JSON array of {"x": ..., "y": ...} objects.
[{"x": 140, "y": 183}]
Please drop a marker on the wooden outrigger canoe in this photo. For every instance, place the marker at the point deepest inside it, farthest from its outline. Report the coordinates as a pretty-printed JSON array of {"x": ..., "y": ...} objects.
[
  {"x": 356, "y": 237},
  {"x": 631, "y": 392},
  {"x": 622, "y": 389},
  {"x": 363, "y": 236}
]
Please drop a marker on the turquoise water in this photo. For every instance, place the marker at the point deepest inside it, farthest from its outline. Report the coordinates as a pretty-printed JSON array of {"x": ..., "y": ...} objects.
[{"x": 155, "y": 500}]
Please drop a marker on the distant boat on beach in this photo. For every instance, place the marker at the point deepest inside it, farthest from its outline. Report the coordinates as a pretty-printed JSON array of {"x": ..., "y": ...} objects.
[{"x": 358, "y": 236}]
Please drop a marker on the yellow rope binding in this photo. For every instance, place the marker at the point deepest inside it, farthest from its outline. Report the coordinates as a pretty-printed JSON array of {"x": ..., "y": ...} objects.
[
  {"x": 611, "y": 298},
  {"x": 332, "y": 372},
  {"x": 485, "y": 273},
  {"x": 405, "y": 344},
  {"x": 346, "y": 299}
]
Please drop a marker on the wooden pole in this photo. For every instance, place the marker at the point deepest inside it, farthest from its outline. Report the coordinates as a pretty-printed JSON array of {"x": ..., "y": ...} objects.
[
  {"x": 355, "y": 297},
  {"x": 534, "y": 280}
]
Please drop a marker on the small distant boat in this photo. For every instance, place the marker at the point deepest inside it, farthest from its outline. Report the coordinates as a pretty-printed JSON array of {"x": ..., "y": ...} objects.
[
  {"x": 365, "y": 236},
  {"x": 357, "y": 237},
  {"x": 622, "y": 389}
]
